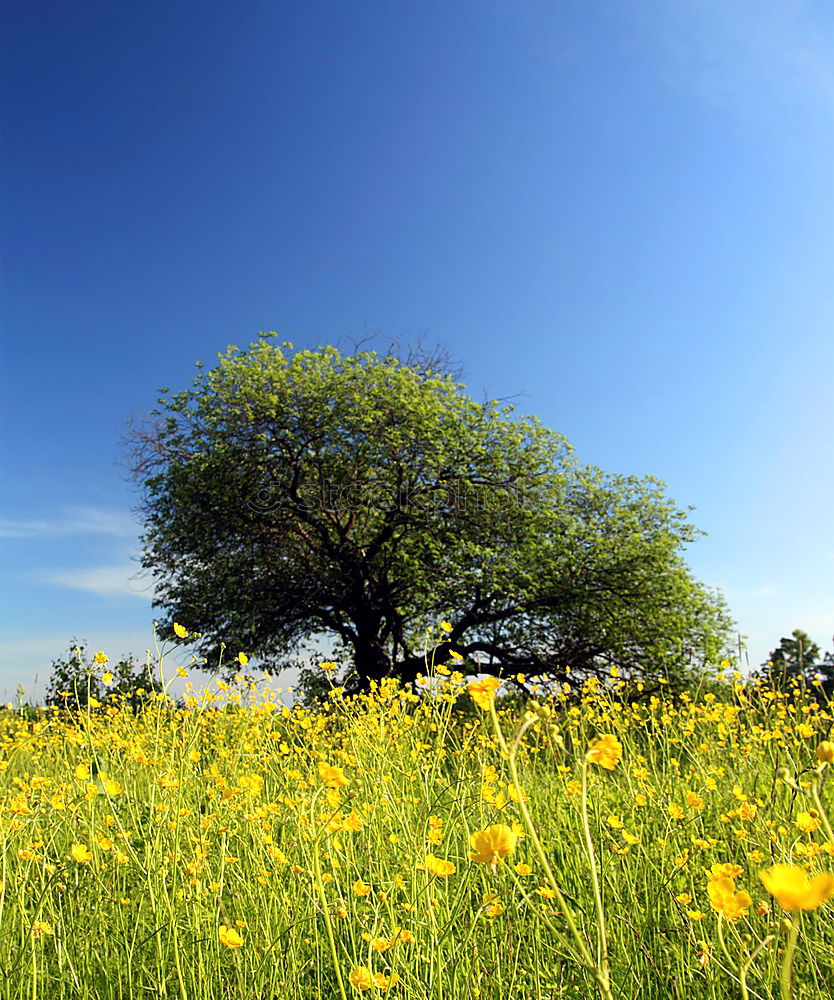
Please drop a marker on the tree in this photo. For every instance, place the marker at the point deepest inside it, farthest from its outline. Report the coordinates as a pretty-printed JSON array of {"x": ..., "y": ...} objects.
[
  {"x": 76, "y": 681},
  {"x": 364, "y": 499},
  {"x": 797, "y": 659}
]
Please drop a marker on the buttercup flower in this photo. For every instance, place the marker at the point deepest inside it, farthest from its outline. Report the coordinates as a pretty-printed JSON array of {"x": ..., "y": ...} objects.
[
  {"x": 181, "y": 632},
  {"x": 725, "y": 870},
  {"x": 793, "y": 889},
  {"x": 493, "y": 844},
  {"x": 437, "y": 866},
  {"x": 825, "y": 752},
  {"x": 483, "y": 692},
  {"x": 229, "y": 937},
  {"x": 724, "y": 899},
  {"x": 606, "y": 751},
  {"x": 333, "y": 777},
  {"x": 361, "y": 978}
]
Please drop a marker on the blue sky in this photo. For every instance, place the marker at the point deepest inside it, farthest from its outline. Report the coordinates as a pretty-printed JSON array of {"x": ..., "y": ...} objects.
[{"x": 620, "y": 214}]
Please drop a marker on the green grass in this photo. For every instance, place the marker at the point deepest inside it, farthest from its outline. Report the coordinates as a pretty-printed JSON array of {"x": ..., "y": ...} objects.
[{"x": 220, "y": 817}]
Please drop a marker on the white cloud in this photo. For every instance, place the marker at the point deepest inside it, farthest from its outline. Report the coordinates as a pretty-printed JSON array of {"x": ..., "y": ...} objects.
[
  {"x": 73, "y": 521},
  {"x": 105, "y": 581}
]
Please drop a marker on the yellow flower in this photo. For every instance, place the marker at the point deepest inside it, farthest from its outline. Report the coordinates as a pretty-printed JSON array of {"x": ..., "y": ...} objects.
[
  {"x": 523, "y": 870},
  {"x": 437, "y": 866},
  {"x": 360, "y": 888},
  {"x": 229, "y": 937},
  {"x": 483, "y": 692},
  {"x": 493, "y": 844},
  {"x": 694, "y": 801},
  {"x": 724, "y": 899},
  {"x": 725, "y": 870},
  {"x": 606, "y": 751},
  {"x": 82, "y": 772},
  {"x": 493, "y": 907},
  {"x": 807, "y": 821},
  {"x": 112, "y": 787},
  {"x": 81, "y": 853},
  {"x": 181, "y": 632},
  {"x": 446, "y": 626},
  {"x": 361, "y": 978},
  {"x": 794, "y": 890},
  {"x": 100, "y": 659},
  {"x": 107, "y": 677},
  {"x": 242, "y": 659},
  {"x": 333, "y": 777},
  {"x": 825, "y": 752},
  {"x": 383, "y": 982},
  {"x": 42, "y": 927}
]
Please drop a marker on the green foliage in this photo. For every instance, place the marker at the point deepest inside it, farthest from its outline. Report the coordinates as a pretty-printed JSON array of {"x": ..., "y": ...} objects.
[
  {"x": 361, "y": 499},
  {"x": 78, "y": 678},
  {"x": 797, "y": 660}
]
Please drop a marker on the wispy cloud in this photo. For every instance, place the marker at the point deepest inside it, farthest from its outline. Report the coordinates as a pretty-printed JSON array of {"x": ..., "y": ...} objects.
[
  {"x": 105, "y": 581},
  {"x": 73, "y": 521}
]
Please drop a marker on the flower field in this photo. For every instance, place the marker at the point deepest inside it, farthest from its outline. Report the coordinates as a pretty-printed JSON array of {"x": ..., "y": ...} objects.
[{"x": 435, "y": 845}]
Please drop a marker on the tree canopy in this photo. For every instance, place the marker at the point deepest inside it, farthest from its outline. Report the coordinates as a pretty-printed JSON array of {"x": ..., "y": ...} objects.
[
  {"x": 362, "y": 499},
  {"x": 797, "y": 659}
]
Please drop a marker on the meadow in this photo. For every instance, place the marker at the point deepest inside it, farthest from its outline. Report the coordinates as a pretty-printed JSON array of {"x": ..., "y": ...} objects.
[{"x": 613, "y": 842}]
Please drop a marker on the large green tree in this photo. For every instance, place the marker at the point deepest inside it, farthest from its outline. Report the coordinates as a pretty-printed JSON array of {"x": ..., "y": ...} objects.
[{"x": 363, "y": 499}]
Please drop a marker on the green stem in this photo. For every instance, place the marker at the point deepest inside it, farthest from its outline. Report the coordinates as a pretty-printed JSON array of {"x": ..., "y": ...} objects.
[
  {"x": 328, "y": 923},
  {"x": 815, "y": 793},
  {"x": 602, "y": 941},
  {"x": 787, "y": 962},
  {"x": 599, "y": 974}
]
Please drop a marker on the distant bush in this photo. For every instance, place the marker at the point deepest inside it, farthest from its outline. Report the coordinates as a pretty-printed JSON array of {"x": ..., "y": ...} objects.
[{"x": 79, "y": 681}]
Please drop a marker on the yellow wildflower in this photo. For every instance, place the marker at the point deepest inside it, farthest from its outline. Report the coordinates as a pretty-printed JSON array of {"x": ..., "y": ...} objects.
[
  {"x": 606, "y": 751},
  {"x": 807, "y": 821},
  {"x": 437, "y": 866},
  {"x": 483, "y": 692},
  {"x": 361, "y": 978},
  {"x": 724, "y": 899},
  {"x": 493, "y": 844},
  {"x": 333, "y": 777},
  {"x": 229, "y": 937},
  {"x": 793, "y": 889}
]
